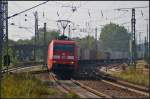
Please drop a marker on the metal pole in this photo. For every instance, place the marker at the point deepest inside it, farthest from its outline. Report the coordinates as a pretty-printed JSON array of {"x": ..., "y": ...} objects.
[
  {"x": 148, "y": 56},
  {"x": 96, "y": 41},
  {"x": 149, "y": 50},
  {"x": 63, "y": 31},
  {"x": 3, "y": 28},
  {"x": 37, "y": 36},
  {"x": 37, "y": 27},
  {"x": 139, "y": 44},
  {"x": 148, "y": 43},
  {"x": 147, "y": 32},
  {"x": 6, "y": 15},
  {"x": 7, "y": 27},
  {"x": 88, "y": 35},
  {"x": 35, "y": 15},
  {"x": 130, "y": 49},
  {"x": 44, "y": 46},
  {"x": 145, "y": 48},
  {"x": 1, "y": 32},
  {"x": 69, "y": 32},
  {"x": 133, "y": 58}
]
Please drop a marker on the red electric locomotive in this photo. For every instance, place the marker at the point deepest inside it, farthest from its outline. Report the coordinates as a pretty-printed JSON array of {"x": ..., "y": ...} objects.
[{"x": 62, "y": 57}]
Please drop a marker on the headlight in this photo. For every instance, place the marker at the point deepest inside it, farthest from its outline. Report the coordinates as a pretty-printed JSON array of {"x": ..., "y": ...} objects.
[
  {"x": 56, "y": 57},
  {"x": 72, "y": 62},
  {"x": 70, "y": 57}
]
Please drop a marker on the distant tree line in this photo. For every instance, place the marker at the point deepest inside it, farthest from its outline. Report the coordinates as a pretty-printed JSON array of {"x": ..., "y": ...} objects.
[{"x": 112, "y": 38}]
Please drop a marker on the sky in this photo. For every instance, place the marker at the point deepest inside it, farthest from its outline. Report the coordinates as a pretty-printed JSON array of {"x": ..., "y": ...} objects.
[{"x": 89, "y": 15}]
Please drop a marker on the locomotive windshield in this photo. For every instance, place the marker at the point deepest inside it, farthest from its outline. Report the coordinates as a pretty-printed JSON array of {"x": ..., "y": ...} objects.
[{"x": 64, "y": 47}]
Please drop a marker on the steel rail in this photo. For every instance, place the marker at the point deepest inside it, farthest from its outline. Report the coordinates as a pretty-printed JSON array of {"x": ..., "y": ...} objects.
[
  {"x": 15, "y": 69},
  {"x": 91, "y": 90},
  {"x": 28, "y": 65},
  {"x": 77, "y": 89},
  {"x": 119, "y": 81},
  {"x": 66, "y": 90},
  {"x": 127, "y": 88}
]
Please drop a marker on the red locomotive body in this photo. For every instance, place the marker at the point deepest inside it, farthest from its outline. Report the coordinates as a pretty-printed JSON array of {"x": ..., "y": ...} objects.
[{"x": 62, "y": 56}]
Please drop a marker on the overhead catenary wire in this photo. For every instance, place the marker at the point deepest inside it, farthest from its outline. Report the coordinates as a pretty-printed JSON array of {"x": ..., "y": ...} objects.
[
  {"x": 26, "y": 10},
  {"x": 40, "y": 20},
  {"x": 132, "y": 8},
  {"x": 90, "y": 10}
]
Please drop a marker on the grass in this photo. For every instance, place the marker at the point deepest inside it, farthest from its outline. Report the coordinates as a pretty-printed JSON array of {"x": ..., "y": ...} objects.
[
  {"x": 134, "y": 76},
  {"x": 71, "y": 95},
  {"x": 142, "y": 64},
  {"x": 24, "y": 86}
]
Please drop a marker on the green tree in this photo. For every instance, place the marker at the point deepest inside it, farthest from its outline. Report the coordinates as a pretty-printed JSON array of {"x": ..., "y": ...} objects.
[
  {"x": 115, "y": 38},
  {"x": 11, "y": 53},
  {"x": 50, "y": 35},
  {"x": 86, "y": 42}
]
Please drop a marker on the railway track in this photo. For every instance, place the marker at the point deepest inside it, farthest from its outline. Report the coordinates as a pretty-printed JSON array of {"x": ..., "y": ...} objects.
[
  {"x": 103, "y": 74},
  {"x": 111, "y": 90},
  {"x": 69, "y": 86},
  {"x": 109, "y": 85},
  {"x": 99, "y": 87},
  {"x": 123, "y": 82},
  {"x": 21, "y": 65},
  {"x": 81, "y": 63},
  {"x": 22, "y": 69}
]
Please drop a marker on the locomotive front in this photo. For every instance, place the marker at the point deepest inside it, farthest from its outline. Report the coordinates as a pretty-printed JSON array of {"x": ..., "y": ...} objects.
[{"x": 62, "y": 58}]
